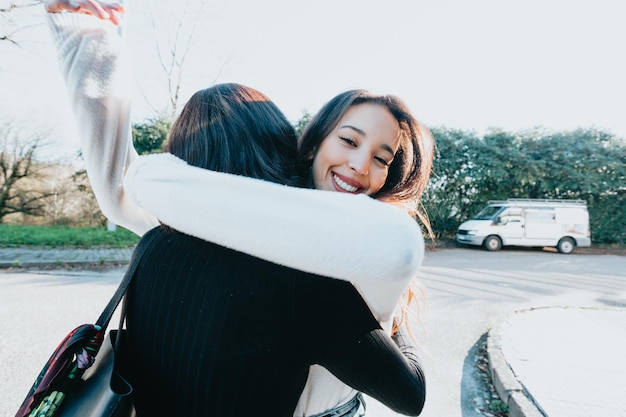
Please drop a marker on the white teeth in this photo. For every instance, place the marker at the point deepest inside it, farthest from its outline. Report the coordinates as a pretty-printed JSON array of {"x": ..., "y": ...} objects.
[{"x": 349, "y": 188}]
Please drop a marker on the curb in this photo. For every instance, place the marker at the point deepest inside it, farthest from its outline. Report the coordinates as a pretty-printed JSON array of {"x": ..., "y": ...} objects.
[
  {"x": 509, "y": 388},
  {"x": 44, "y": 264},
  {"x": 24, "y": 257}
]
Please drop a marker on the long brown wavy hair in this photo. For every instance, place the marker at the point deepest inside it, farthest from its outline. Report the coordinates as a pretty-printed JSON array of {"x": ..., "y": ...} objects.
[{"x": 409, "y": 172}]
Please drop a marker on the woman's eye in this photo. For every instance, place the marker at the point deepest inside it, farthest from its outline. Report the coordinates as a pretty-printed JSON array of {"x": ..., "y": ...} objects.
[
  {"x": 347, "y": 140},
  {"x": 382, "y": 161}
]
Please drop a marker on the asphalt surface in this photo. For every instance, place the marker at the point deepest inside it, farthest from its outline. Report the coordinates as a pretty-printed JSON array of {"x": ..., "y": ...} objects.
[{"x": 551, "y": 361}]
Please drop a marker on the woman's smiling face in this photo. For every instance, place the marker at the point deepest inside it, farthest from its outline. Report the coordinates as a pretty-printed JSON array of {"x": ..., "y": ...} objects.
[{"x": 355, "y": 157}]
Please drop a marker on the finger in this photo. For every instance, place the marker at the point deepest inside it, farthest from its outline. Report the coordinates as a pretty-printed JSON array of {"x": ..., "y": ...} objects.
[
  {"x": 57, "y": 6},
  {"x": 96, "y": 9},
  {"x": 110, "y": 11},
  {"x": 79, "y": 6},
  {"x": 116, "y": 11},
  {"x": 90, "y": 7},
  {"x": 118, "y": 7}
]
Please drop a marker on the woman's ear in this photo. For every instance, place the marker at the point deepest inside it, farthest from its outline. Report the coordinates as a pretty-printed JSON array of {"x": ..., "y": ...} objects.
[{"x": 311, "y": 155}]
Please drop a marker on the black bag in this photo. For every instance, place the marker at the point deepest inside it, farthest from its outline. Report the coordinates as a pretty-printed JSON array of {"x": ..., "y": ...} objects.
[
  {"x": 82, "y": 378},
  {"x": 102, "y": 390}
]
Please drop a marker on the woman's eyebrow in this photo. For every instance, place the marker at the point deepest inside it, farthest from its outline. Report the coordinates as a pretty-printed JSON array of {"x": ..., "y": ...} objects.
[
  {"x": 387, "y": 148},
  {"x": 356, "y": 129}
]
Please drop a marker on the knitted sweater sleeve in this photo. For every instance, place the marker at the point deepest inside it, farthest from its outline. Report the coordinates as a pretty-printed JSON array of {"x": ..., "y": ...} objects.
[
  {"x": 95, "y": 65},
  {"x": 349, "y": 237},
  {"x": 345, "y": 339},
  {"x": 387, "y": 371}
]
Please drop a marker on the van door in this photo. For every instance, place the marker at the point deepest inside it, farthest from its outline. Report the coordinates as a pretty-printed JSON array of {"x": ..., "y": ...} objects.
[
  {"x": 541, "y": 225},
  {"x": 511, "y": 225}
]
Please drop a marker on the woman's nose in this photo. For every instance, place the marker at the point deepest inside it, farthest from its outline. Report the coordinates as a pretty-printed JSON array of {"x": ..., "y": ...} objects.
[{"x": 360, "y": 164}]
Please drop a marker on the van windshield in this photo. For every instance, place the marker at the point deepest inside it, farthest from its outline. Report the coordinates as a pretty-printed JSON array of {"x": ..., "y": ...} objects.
[{"x": 488, "y": 213}]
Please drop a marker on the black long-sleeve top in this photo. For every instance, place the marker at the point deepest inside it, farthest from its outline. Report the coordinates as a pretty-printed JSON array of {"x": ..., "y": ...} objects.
[{"x": 215, "y": 332}]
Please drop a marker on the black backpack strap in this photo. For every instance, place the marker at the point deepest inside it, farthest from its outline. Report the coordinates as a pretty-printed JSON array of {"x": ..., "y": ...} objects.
[{"x": 105, "y": 317}]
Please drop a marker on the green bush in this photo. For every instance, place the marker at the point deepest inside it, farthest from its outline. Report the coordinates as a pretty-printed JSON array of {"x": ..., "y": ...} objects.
[
  {"x": 585, "y": 164},
  {"x": 15, "y": 235}
]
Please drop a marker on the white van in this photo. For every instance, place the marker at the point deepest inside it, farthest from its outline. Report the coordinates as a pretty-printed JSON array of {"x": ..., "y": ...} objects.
[{"x": 563, "y": 224}]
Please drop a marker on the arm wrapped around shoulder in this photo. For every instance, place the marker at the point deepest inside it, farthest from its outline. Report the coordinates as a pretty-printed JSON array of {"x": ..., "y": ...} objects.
[{"x": 349, "y": 237}]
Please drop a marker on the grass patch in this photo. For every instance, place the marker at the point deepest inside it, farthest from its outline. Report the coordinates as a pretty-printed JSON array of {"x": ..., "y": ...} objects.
[{"x": 54, "y": 236}]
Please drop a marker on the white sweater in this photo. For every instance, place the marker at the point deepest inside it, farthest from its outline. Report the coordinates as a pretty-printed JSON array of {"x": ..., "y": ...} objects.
[{"x": 374, "y": 245}]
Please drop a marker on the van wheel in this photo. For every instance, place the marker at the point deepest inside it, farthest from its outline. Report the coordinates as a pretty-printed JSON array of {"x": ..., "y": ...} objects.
[
  {"x": 566, "y": 245},
  {"x": 492, "y": 243}
]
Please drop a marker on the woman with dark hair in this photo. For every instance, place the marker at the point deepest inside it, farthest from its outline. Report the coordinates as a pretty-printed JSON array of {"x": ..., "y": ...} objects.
[
  {"x": 215, "y": 331},
  {"x": 203, "y": 135},
  {"x": 342, "y": 149},
  {"x": 224, "y": 333},
  {"x": 359, "y": 143}
]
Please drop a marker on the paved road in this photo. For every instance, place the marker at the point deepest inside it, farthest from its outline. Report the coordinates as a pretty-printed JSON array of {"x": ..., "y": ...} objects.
[
  {"x": 467, "y": 291},
  {"x": 470, "y": 290}
]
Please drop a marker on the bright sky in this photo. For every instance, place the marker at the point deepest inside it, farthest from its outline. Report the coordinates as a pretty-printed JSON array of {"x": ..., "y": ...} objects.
[{"x": 560, "y": 64}]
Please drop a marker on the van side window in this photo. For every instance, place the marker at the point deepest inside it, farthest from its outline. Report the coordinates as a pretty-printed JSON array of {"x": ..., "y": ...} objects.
[
  {"x": 540, "y": 215},
  {"x": 511, "y": 215}
]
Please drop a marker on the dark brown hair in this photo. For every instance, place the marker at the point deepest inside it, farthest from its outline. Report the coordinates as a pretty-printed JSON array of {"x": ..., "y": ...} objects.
[{"x": 236, "y": 129}]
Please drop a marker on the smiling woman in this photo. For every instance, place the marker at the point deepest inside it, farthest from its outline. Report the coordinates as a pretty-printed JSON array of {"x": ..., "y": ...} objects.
[
  {"x": 360, "y": 142},
  {"x": 356, "y": 156}
]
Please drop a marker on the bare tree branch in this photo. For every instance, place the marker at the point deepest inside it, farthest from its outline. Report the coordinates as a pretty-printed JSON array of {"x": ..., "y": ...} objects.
[
  {"x": 10, "y": 15},
  {"x": 179, "y": 48},
  {"x": 7, "y": 38},
  {"x": 18, "y": 172},
  {"x": 13, "y": 5}
]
